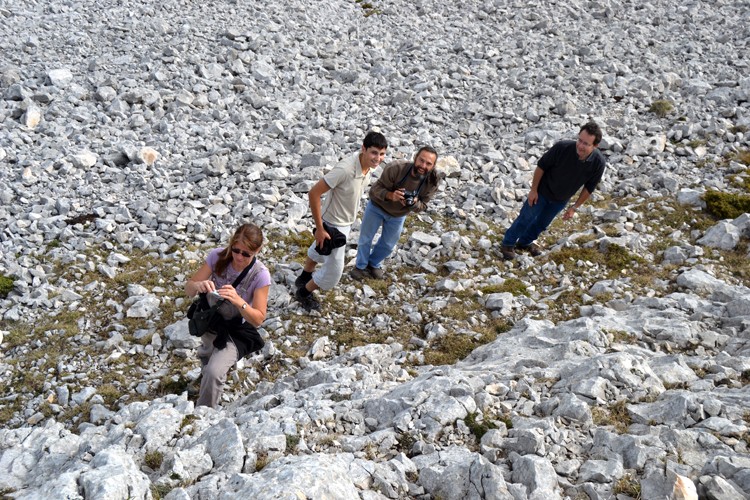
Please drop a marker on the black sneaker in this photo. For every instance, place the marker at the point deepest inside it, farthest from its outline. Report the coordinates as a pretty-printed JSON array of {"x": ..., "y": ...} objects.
[
  {"x": 308, "y": 302},
  {"x": 508, "y": 252},
  {"x": 301, "y": 281}
]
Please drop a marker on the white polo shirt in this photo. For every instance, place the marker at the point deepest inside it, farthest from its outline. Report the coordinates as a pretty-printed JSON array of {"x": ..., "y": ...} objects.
[{"x": 347, "y": 183}]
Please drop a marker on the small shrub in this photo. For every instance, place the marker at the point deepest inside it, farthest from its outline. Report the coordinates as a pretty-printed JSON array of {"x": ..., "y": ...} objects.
[
  {"x": 628, "y": 485},
  {"x": 187, "y": 420},
  {"x": 170, "y": 384},
  {"x": 406, "y": 442},
  {"x": 479, "y": 429},
  {"x": 741, "y": 156},
  {"x": 726, "y": 205},
  {"x": 621, "y": 337},
  {"x": 154, "y": 459},
  {"x": 8, "y": 410},
  {"x": 291, "y": 442},
  {"x": 661, "y": 108},
  {"x": 110, "y": 393},
  {"x": 6, "y": 285},
  {"x": 159, "y": 491},
  {"x": 506, "y": 420},
  {"x": 745, "y": 377},
  {"x": 736, "y": 262}
]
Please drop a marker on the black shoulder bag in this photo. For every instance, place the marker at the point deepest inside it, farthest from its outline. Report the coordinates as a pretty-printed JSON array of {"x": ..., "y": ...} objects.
[{"x": 202, "y": 316}]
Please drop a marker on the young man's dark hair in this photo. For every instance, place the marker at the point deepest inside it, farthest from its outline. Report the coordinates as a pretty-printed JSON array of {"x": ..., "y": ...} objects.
[
  {"x": 376, "y": 140},
  {"x": 593, "y": 129}
]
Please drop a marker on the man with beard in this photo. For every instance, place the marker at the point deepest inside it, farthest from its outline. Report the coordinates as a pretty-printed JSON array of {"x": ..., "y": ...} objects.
[
  {"x": 333, "y": 215},
  {"x": 403, "y": 187},
  {"x": 560, "y": 172}
]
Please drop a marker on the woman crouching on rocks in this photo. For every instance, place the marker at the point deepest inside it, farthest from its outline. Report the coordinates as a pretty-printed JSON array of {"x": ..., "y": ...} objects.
[{"x": 233, "y": 334}]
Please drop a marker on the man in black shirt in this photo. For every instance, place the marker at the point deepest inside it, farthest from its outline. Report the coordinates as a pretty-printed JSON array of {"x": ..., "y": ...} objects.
[{"x": 560, "y": 172}]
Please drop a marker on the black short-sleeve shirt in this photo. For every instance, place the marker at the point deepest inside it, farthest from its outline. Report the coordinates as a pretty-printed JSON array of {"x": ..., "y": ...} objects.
[{"x": 564, "y": 173}]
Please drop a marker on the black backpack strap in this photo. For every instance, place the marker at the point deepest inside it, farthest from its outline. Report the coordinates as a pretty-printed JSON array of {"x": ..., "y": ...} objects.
[
  {"x": 237, "y": 281},
  {"x": 243, "y": 274}
]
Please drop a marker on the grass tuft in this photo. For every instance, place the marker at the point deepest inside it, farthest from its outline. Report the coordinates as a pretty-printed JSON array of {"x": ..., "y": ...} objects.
[
  {"x": 154, "y": 459},
  {"x": 291, "y": 442},
  {"x": 455, "y": 346},
  {"x": 661, "y": 107},
  {"x": 742, "y": 156},
  {"x": 616, "y": 415},
  {"x": 628, "y": 485},
  {"x": 478, "y": 427}
]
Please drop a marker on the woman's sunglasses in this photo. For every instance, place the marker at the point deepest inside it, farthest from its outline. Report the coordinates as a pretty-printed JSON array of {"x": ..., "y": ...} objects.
[{"x": 242, "y": 252}]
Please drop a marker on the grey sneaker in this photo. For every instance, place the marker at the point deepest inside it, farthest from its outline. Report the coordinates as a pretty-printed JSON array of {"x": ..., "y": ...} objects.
[
  {"x": 359, "y": 274},
  {"x": 308, "y": 303},
  {"x": 376, "y": 272}
]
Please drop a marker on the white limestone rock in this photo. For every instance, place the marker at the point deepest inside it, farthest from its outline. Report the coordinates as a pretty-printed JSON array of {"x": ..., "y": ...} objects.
[
  {"x": 60, "y": 78},
  {"x": 114, "y": 474},
  {"x": 723, "y": 235}
]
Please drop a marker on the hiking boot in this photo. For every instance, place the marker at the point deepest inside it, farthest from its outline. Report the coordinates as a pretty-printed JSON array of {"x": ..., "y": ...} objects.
[
  {"x": 508, "y": 252},
  {"x": 308, "y": 302},
  {"x": 301, "y": 281},
  {"x": 534, "y": 249},
  {"x": 359, "y": 274},
  {"x": 376, "y": 272}
]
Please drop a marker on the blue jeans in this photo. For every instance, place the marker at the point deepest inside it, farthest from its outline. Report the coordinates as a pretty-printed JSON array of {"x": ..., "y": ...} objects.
[
  {"x": 373, "y": 219},
  {"x": 532, "y": 221}
]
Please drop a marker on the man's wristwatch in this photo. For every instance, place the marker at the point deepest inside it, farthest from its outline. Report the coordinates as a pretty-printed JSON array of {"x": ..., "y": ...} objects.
[{"x": 244, "y": 305}]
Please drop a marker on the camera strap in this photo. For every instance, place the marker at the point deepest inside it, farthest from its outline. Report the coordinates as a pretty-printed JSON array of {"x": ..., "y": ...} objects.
[
  {"x": 403, "y": 179},
  {"x": 239, "y": 278}
]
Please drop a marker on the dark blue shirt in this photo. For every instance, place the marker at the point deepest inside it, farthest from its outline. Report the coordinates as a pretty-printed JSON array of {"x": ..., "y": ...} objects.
[{"x": 564, "y": 173}]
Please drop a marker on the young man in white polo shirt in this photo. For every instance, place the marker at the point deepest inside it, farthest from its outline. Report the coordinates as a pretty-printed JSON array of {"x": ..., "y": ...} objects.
[{"x": 343, "y": 187}]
